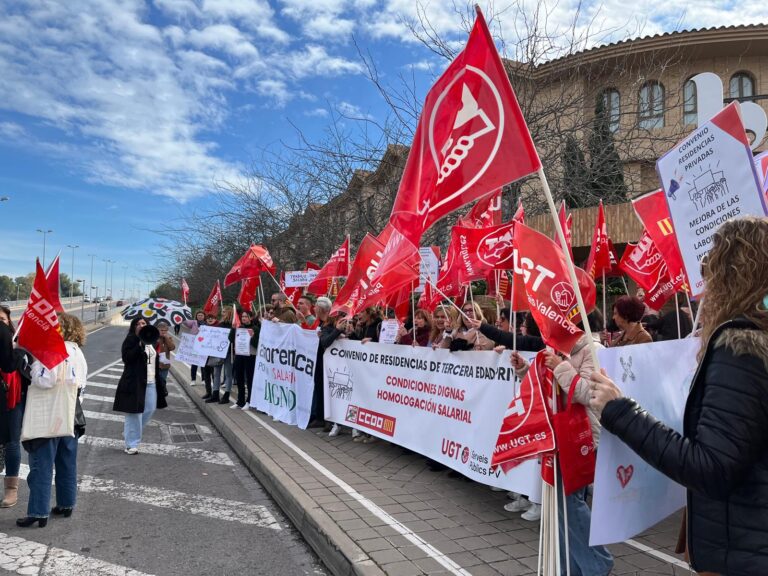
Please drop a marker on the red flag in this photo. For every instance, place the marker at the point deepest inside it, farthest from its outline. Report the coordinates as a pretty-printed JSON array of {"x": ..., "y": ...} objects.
[
  {"x": 602, "y": 257},
  {"x": 362, "y": 270},
  {"x": 429, "y": 298},
  {"x": 653, "y": 212},
  {"x": 400, "y": 276},
  {"x": 643, "y": 263},
  {"x": 39, "y": 329},
  {"x": 214, "y": 300},
  {"x": 400, "y": 302},
  {"x": 184, "y": 290},
  {"x": 52, "y": 278},
  {"x": 311, "y": 266},
  {"x": 504, "y": 288},
  {"x": 550, "y": 294},
  {"x": 482, "y": 249},
  {"x": 471, "y": 139},
  {"x": 565, "y": 223},
  {"x": 485, "y": 213},
  {"x": 337, "y": 266},
  {"x": 255, "y": 260},
  {"x": 519, "y": 213},
  {"x": 248, "y": 292},
  {"x": 526, "y": 430},
  {"x": 235, "y": 317}
]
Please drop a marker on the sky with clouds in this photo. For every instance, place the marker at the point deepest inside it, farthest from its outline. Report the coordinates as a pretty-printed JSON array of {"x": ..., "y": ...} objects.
[{"x": 117, "y": 118}]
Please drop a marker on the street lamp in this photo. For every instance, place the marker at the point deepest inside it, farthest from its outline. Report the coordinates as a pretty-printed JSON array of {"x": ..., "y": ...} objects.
[
  {"x": 111, "y": 280},
  {"x": 92, "y": 256},
  {"x": 72, "y": 277},
  {"x": 106, "y": 270},
  {"x": 44, "y": 233},
  {"x": 82, "y": 299},
  {"x": 125, "y": 272}
]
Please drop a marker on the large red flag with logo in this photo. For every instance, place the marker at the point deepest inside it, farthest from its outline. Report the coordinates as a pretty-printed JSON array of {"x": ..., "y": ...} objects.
[
  {"x": 481, "y": 250},
  {"x": 184, "y": 289},
  {"x": 644, "y": 264},
  {"x": 52, "y": 277},
  {"x": 255, "y": 260},
  {"x": 39, "y": 325},
  {"x": 214, "y": 300},
  {"x": 653, "y": 212},
  {"x": 360, "y": 273},
  {"x": 551, "y": 296},
  {"x": 402, "y": 275},
  {"x": 485, "y": 213},
  {"x": 337, "y": 266},
  {"x": 526, "y": 430},
  {"x": 247, "y": 294}
]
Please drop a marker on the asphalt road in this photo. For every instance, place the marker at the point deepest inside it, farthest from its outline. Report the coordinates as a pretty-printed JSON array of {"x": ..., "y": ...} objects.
[{"x": 184, "y": 505}]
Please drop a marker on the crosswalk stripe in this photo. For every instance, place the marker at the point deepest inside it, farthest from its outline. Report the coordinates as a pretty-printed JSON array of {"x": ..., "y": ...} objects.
[
  {"x": 114, "y": 387},
  {"x": 91, "y": 415},
  {"x": 27, "y": 557},
  {"x": 110, "y": 376},
  {"x": 218, "y": 508},
  {"x": 171, "y": 450},
  {"x": 111, "y": 399}
]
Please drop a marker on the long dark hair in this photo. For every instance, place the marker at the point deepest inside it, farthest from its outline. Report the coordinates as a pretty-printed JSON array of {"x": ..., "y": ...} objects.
[{"x": 132, "y": 326}]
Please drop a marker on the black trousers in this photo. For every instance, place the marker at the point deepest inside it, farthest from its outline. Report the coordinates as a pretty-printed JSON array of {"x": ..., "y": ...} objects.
[
  {"x": 243, "y": 369},
  {"x": 207, "y": 373}
]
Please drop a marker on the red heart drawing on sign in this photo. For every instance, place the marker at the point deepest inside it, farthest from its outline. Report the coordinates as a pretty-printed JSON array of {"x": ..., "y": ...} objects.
[
  {"x": 624, "y": 474},
  {"x": 200, "y": 338}
]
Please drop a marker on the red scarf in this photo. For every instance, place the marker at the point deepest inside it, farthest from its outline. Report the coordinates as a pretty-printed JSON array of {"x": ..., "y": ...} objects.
[{"x": 13, "y": 395}]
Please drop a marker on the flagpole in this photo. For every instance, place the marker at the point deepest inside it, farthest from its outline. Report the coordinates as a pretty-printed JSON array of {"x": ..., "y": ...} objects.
[
  {"x": 604, "y": 306},
  {"x": 696, "y": 319},
  {"x": 461, "y": 312},
  {"x": 497, "y": 274},
  {"x": 514, "y": 313},
  {"x": 626, "y": 288},
  {"x": 413, "y": 315},
  {"x": 677, "y": 317},
  {"x": 280, "y": 289},
  {"x": 569, "y": 263}
]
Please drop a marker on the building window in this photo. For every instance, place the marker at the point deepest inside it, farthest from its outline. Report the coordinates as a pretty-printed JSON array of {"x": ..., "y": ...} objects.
[
  {"x": 612, "y": 107},
  {"x": 690, "y": 105},
  {"x": 651, "y": 111},
  {"x": 742, "y": 86}
]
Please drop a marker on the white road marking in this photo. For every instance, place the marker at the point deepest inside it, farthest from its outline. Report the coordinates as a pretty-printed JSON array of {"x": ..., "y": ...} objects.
[
  {"x": 171, "y": 450},
  {"x": 658, "y": 554},
  {"x": 114, "y": 387},
  {"x": 28, "y": 557},
  {"x": 373, "y": 508},
  {"x": 110, "y": 376},
  {"x": 104, "y": 368},
  {"x": 89, "y": 414},
  {"x": 217, "y": 508},
  {"x": 111, "y": 399}
]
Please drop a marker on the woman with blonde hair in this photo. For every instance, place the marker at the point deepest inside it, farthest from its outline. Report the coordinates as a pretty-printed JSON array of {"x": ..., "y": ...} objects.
[
  {"x": 49, "y": 445},
  {"x": 464, "y": 336},
  {"x": 721, "y": 456}
]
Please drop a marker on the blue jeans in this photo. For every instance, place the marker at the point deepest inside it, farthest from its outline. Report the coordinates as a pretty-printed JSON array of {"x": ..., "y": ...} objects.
[
  {"x": 59, "y": 452},
  {"x": 134, "y": 423},
  {"x": 586, "y": 560},
  {"x": 13, "y": 447},
  {"x": 226, "y": 368}
]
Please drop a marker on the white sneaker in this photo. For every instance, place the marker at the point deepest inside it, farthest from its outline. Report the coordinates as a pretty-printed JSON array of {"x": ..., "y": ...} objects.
[
  {"x": 518, "y": 505},
  {"x": 335, "y": 431},
  {"x": 234, "y": 406},
  {"x": 131, "y": 451},
  {"x": 532, "y": 514},
  {"x": 245, "y": 407},
  {"x": 356, "y": 433}
]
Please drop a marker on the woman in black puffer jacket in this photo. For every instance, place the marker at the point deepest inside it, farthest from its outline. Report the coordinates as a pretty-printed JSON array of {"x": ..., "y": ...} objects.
[{"x": 722, "y": 455}]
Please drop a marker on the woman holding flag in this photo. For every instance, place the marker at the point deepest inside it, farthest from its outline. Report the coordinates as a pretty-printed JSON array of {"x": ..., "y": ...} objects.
[{"x": 721, "y": 456}]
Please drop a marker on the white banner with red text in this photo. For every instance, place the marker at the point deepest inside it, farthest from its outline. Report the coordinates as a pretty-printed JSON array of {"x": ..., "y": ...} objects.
[
  {"x": 283, "y": 380},
  {"x": 445, "y": 405}
]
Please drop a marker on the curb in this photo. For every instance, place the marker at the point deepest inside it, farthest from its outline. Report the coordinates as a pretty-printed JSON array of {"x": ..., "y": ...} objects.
[{"x": 336, "y": 550}]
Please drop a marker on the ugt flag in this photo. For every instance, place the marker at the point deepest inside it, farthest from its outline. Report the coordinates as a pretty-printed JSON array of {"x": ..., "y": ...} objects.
[
  {"x": 255, "y": 261},
  {"x": 52, "y": 278},
  {"x": 214, "y": 300},
  {"x": 337, "y": 266},
  {"x": 39, "y": 330}
]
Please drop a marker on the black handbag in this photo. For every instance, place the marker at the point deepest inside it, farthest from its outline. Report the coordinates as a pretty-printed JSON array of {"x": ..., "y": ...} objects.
[{"x": 79, "y": 419}]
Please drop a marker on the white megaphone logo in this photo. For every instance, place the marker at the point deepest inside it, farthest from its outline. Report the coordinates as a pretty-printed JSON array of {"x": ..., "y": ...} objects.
[{"x": 709, "y": 101}]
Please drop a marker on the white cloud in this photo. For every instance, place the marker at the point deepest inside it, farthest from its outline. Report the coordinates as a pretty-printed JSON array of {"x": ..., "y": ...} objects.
[
  {"x": 317, "y": 113},
  {"x": 315, "y": 61},
  {"x": 10, "y": 131},
  {"x": 275, "y": 89}
]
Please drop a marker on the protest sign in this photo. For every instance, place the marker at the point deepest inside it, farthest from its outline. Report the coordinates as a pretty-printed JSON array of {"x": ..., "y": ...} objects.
[
  {"x": 283, "y": 381},
  {"x": 185, "y": 351},
  {"x": 445, "y": 405},
  {"x": 243, "y": 341},
  {"x": 429, "y": 266},
  {"x": 211, "y": 341},
  {"x": 300, "y": 278},
  {"x": 631, "y": 496},
  {"x": 388, "y": 333},
  {"x": 708, "y": 179}
]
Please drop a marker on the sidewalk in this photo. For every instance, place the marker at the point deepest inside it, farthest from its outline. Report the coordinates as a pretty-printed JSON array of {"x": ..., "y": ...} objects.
[{"x": 375, "y": 509}]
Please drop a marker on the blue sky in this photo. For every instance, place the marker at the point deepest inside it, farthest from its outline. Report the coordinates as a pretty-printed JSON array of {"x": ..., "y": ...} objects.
[{"x": 118, "y": 117}]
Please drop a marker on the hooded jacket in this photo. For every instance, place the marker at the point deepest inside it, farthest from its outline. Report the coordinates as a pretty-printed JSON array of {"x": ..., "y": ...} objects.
[{"x": 722, "y": 455}]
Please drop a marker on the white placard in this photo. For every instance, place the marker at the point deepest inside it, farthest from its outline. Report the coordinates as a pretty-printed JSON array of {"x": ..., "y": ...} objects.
[
  {"x": 388, "y": 332},
  {"x": 211, "y": 341},
  {"x": 185, "y": 351},
  {"x": 283, "y": 381},
  {"x": 448, "y": 406},
  {"x": 300, "y": 278},
  {"x": 428, "y": 268},
  {"x": 708, "y": 179},
  {"x": 630, "y": 496},
  {"x": 243, "y": 341}
]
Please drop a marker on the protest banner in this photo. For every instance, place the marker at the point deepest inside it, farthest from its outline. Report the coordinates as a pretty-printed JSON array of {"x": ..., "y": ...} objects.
[
  {"x": 211, "y": 341},
  {"x": 445, "y": 405},
  {"x": 185, "y": 351},
  {"x": 243, "y": 341},
  {"x": 283, "y": 381},
  {"x": 631, "y": 496},
  {"x": 299, "y": 278},
  {"x": 708, "y": 179}
]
